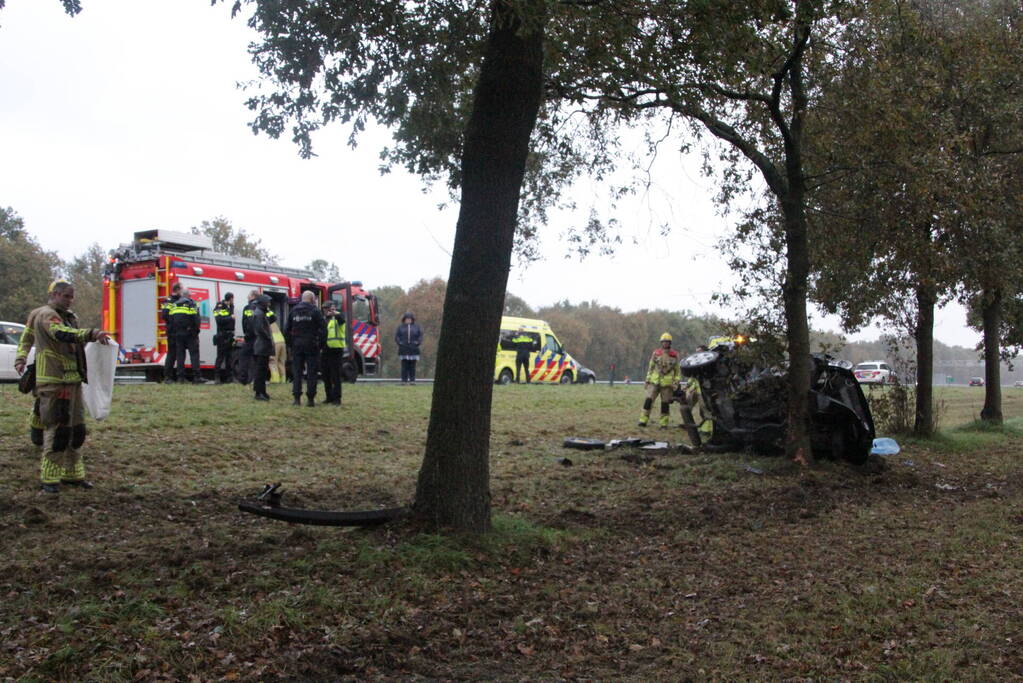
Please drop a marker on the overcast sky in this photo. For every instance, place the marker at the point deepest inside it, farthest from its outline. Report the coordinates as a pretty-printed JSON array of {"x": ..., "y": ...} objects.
[{"x": 129, "y": 117}]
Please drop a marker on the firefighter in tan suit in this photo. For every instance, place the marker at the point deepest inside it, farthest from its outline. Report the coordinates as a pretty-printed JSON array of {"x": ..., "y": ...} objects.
[
  {"x": 60, "y": 370},
  {"x": 662, "y": 378}
]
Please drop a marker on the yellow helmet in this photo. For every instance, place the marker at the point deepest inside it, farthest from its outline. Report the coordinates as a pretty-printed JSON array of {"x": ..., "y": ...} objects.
[
  {"x": 53, "y": 285},
  {"x": 665, "y": 337}
]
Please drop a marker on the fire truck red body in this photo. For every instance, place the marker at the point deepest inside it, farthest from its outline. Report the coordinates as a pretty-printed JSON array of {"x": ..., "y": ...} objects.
[{"x": 140, "y": 275}]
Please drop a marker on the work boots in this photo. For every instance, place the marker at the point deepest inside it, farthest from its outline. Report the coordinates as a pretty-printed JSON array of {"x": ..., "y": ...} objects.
[
  {"x": 310, "y": 402},
  {"x": 297, "y": 401}
]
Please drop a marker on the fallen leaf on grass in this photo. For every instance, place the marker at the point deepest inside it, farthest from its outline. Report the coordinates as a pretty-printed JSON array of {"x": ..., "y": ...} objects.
[{"x": 525, "y": 649}]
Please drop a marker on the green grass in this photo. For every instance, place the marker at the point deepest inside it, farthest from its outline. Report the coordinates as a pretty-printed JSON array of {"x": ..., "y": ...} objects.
[{"x": 728, "y": 567}]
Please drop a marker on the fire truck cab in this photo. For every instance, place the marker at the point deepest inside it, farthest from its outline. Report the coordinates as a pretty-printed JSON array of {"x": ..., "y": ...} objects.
[{"x": 139, "y": 277}]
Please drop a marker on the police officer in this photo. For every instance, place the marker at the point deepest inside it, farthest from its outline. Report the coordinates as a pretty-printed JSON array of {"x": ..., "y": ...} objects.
[
  {"x": 306, "y": 333},
  {"x": 262, "y": 346},
  {"x": 333, "y": 353},
  {"x": 246, "y": 350},
  {"x": 169, "y": 373},
  {"x": 60, "y": 370},
  {"x": 523, "y": 346},
  {"x": 223, "y": 315},
  {"x": 662, "y": 378},
  {"x": 184, "y": 327}
]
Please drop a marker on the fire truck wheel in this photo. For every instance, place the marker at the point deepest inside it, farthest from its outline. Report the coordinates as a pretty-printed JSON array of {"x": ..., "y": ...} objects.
[{"x": 348, "y": 371}]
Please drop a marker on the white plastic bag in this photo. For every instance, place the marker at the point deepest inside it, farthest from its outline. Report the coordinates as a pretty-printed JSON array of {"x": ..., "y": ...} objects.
[{"x": 99, "y": 391}]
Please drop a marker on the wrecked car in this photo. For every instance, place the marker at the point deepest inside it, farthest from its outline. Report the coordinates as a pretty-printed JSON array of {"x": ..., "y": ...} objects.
[{"x": 747, "y": 399}]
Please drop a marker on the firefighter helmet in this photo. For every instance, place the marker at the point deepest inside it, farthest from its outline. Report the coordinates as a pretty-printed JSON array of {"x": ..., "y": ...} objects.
[{"x": 665, "y": 337}]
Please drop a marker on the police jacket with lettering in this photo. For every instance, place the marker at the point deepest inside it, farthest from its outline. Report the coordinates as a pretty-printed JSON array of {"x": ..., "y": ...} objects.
[
  {"x": 183, "y": 318},
  {"x": 307, "y": 328}
]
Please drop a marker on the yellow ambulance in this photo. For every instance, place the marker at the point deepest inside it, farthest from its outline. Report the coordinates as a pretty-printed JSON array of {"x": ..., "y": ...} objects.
[{"x": 549, "y": 363}]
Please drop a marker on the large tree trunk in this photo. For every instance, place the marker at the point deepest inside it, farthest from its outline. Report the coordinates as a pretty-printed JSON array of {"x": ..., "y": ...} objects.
[
  {"x": 991, "y": 312},
  {"x": 797, "y": 446},
  {"x": 923, "y": 423},
  {"x": 454, "y": 482}
]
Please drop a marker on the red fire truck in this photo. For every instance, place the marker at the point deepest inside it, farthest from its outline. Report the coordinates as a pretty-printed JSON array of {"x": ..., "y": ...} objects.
[{"x": 139, "y": 277}]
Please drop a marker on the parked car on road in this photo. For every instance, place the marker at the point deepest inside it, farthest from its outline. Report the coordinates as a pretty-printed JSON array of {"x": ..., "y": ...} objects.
[
  {"x": 10, "y": 335},
  {"x": 875, "y": 372},
  {"x": 976, "y": 381},
  {"x": 1018, "y": 383},
  {"x": 748, "y": 403},
  {"x": 585, "y": 376}
]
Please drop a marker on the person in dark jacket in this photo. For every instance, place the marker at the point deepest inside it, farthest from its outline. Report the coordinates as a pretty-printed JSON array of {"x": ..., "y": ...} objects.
[
  {"x": 262, "y": 346},
  {"x": 223, "y": 314},
  {"x": 183, "y": 320},
  {"x": 523, "y": 347},
  {"x": 169, "y": 373},
  {"x": 305, "y": 333},
  {"x": 409, "y": 337},
  {"x": 245, "y": 352}
]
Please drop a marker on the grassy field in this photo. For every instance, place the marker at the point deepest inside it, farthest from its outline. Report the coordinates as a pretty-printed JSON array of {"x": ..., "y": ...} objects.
[{"x": 705, "y": 567}]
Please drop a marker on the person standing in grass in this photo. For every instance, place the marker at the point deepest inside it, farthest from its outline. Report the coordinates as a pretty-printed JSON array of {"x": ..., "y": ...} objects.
[
  {"x": 60, "y": 371},
  {"x": 333, "y": 352},
  {"x": 306, "y": 331},
  {"x": 262, "y": 346},
  {"x": 662, "y": 378},
  {"x": 409, "y": 337}
]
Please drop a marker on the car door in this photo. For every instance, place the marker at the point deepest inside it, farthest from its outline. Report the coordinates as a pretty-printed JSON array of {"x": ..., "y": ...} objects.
[{"x": 7, "y": 352}]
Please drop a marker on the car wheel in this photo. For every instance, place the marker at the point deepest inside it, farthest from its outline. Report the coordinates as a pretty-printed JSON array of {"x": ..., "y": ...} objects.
[
  {"x": 566, "y": 378},
  {"x": 699, "y": 360},
  {"x": 505, "y": 377},
  {"x": 583, "y": 444},
  {"x": 592, "y": 379}
]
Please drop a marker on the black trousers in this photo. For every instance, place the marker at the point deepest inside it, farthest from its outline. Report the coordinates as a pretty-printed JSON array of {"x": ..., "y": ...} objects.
[
  {"x": 332, "y": 374},
  {"x": 304, "y": 363},
  {"x": 522, "y": 362},
  {"x": 222, "y": 366},
  {"x": 260, "y": 373},
  {"x": 408, "y": 370},
  {"x": 188, "y": 343},
  {"x": 169, "y": 373}
]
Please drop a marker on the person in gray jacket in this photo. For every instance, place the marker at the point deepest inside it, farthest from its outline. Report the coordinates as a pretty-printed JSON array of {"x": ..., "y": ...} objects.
[{"x": 409, "y": 337}]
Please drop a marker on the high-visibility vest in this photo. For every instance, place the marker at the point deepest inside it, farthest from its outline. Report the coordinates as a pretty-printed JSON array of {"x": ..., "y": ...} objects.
[
  {"x": 335, "y": 333},
  {"x": 275, "y": 331}
]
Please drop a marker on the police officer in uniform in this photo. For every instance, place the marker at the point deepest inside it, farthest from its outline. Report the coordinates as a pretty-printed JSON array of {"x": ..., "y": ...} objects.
[
  {"x": 169, "y": 373},
  {"x": 306, "y": 332},
  {"x": 246, "y": 351},
  {"x": 223, "y": 315},
  {"x": 662, "y": 378},
  {"x": 523, "y": 346},
  {"x": 333, "y": 353},
  {"x": 184, "y": 326},
  {"x": 60, "y": 371}
]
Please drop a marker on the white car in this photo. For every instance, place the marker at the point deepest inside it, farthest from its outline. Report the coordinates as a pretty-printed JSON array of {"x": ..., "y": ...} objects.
[
  {"x": 10, "y": 334},
  {"x": 875, "y": 372}
]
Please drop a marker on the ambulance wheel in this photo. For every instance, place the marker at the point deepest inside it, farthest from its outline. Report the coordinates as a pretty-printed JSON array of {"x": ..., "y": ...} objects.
[
  {"x": 583, "y": 444},
  {"x": 566, "y": 378},
  {"x": 505, "y": 377}
]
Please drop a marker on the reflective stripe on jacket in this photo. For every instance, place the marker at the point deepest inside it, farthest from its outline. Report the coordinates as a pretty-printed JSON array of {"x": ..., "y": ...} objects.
[
  {"x": 59, "y": 355},
  {"x": 664, "y": 370}
]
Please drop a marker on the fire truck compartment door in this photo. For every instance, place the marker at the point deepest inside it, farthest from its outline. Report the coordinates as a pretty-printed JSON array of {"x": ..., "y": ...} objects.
[{"x": 138, "y": 313}]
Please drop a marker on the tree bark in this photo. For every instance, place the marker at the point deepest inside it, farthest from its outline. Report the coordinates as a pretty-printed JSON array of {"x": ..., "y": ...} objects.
[
  {"x": 453, "y": 490},
  {"x": 923, "y": 421},
  {"x": 992, "y": 316},
  {"x": 797, "y": 446}
]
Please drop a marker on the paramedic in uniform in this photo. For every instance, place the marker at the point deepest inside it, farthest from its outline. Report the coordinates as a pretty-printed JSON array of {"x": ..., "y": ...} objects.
[
  {"x": 169, "y": 373},
  {"x": 523, "y": 346},
  {"x": 60, "y": 370},
  {"x": 333, "y": 353},
  {"x": 662, "y": 377},
  {"x": 306, "y": 332},
  {"x": 223, "y": 315}
]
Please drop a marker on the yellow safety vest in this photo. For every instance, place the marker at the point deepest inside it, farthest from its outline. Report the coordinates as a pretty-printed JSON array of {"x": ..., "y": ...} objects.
[{"x": 335, "y": 334}]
